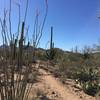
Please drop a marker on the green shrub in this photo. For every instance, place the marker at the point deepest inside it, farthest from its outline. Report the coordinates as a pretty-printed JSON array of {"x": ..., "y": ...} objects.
[
  {"x": 89, "y": 80},
  {"x": 91, "y": 88}
]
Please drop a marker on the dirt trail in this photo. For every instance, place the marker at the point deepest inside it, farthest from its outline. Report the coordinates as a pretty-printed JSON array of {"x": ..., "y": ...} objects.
[
  {"x": 57, "y": 86},
  {"x": 54, "y": 84},
  {"x": 54, "y": 87}
]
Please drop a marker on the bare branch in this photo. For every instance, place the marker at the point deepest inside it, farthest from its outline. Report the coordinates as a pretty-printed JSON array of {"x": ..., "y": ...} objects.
[
  {"x": 41, "y": 31},
  {"x": 26, "y": 11},
  {"x": 10, "y": 22},
  {"x": 19, "y": 17}
]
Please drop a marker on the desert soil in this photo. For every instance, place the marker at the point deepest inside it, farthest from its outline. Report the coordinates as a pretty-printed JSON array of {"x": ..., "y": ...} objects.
[{"x": 55, "y": 90}]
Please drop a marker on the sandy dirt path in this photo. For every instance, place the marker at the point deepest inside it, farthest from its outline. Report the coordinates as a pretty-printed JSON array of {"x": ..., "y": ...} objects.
[
  {"x": 56, "y": 85},
  {"x": 53, "y": 87}
]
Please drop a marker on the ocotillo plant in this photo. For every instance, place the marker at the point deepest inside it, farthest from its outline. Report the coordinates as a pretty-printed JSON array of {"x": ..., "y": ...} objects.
[
  {"x": 38, "y": 29},
  {"x": 15, "y": 66},
  {"x": 51, "y": 53}
]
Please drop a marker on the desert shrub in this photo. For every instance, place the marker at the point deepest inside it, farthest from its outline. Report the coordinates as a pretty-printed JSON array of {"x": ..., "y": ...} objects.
[
  {"x": 91, "y": 88},
  {"x": 75, "y": 57},
  {"x": 89, "y": 80},
  {"x": 88, "y": 75}
]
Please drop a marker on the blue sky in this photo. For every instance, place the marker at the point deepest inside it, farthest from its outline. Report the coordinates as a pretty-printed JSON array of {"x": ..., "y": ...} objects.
[{"x": 75, "y": 22}]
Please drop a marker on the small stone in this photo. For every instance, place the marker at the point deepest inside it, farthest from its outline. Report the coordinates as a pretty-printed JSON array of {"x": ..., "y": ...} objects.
[
  {"x": 53, "y": 92},
  {"x": 81, "y": 97}
]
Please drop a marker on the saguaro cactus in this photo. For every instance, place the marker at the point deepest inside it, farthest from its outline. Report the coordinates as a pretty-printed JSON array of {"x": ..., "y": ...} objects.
[
  {"x": 21, "y": 46},
  {"x": 50, "y": 53}
]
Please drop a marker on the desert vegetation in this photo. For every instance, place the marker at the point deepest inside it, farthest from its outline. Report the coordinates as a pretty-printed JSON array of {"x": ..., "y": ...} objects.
[
  {"x": 22, "y": 62},
  {"x": 82, "y": 67},
  {"x": 17, "y": 73}
]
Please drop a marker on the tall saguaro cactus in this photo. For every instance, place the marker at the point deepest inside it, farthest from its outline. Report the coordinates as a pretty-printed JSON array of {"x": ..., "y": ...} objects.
[
  {"x": 21, "y": 46},
  {"x": 51, "y": 53},
  {"x": 51, "y": 42}
]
